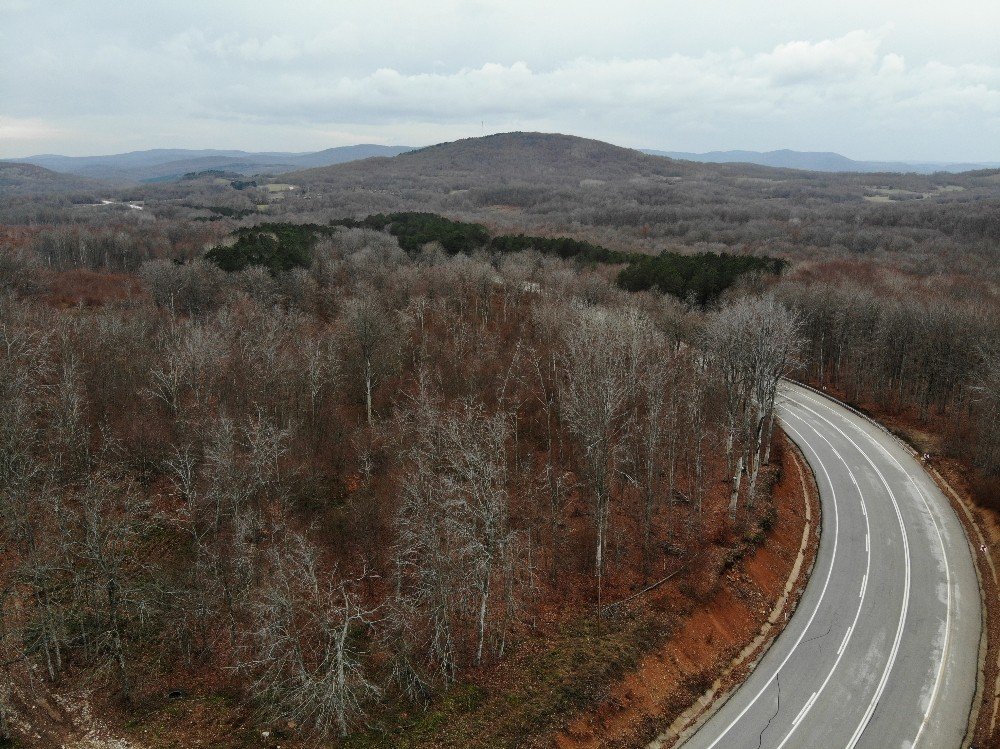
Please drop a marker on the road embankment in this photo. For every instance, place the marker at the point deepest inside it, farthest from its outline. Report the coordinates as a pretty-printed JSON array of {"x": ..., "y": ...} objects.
[{"x": 676, "y": 687}]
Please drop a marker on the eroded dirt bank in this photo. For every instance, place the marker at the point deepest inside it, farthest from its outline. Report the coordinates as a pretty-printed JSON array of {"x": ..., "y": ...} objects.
[
  {"x": 675, "y": 687},
  {"x": 654, "y": 667}
]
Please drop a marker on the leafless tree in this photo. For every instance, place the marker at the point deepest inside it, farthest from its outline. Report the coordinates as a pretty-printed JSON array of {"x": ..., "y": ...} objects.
[
  {"x": 475, "y": 474},
  {"x": 599, "y": 362},
  {"x": 305, "y": 655},
  {"x": 372, "y": 338},
  {"x": 753, "y": 342},
  {"x": 107, "y": 521}
]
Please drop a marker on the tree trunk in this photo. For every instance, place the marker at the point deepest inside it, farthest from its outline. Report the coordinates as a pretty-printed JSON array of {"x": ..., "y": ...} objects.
[
  {"x": 368, "y": 389},
  {"x": 484, "y": 594},
  {"x": 735, "y": 494}
]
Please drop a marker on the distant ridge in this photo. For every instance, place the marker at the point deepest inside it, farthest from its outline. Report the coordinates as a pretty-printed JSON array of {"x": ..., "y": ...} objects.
[
  {"x": 819, "y": 161},
  {"x": 29, "y": 179},
  {"x": 505, "y": 159},
  {"x": 504, "y": 150},
  {"x": 162, "y": 164}
]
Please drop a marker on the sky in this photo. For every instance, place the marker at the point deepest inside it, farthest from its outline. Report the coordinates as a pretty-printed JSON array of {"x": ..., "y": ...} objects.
[{"x": 873, "y": 79}]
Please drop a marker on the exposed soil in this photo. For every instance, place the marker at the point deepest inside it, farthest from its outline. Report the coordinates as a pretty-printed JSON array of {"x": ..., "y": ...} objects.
[
  {"x": 58, "y": 719},
  {"x": 677, "y": 686},
  {"x": 657, "y": 664}
]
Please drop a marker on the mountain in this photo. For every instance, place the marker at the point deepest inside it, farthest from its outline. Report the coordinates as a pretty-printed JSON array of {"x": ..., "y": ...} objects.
[
  {"x": 819, "y": 161},
  {"x": 171, "y": 163},
  {"x": 498, "y": 160},
  {"x": 26, "y": 179}
]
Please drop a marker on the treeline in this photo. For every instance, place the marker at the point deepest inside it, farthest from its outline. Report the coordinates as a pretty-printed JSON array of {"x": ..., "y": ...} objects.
[
  {"x": 276, "y": 247},
  {"x": 700, "y": 277},
  {"x": 334, "y": 488},
  {"x": 914, "y": 349},
  {"x": 413, "y": 230}
]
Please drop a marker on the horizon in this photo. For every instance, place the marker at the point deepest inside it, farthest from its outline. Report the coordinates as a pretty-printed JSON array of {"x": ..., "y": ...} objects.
[
  {"x": 661, "y": 149},
  {"x": 855, "y": 79}
]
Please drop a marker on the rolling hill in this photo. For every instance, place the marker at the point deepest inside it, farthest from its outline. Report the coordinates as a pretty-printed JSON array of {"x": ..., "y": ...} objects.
[
  {"x": 171, "y": 163},
  {"x": 29, "y": 179},
  {"x": 819, "y": 161},
  {"x": 502, "y": 159}
]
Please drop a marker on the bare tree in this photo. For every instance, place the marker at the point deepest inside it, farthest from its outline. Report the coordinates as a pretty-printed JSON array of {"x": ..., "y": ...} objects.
[
  {"x": 306, "y": 654},
  {"x": 654, "y": 440},
  {"x": 752, "y": 342},
  {"x": 190, "y": 364},
  {"x": 475, "y": 474},
  {"x": 372, "y": 338},
  {"x": 599, "y": 363},
  {"x": 108, "y": 597}
]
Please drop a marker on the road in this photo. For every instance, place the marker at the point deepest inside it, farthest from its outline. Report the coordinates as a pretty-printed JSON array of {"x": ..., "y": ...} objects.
[{"x": 882, "y": 650}]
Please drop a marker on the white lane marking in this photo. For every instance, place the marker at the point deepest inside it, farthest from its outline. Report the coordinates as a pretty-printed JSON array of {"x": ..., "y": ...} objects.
[
  {"x": 867, "y": 543},
  {"x": 861, "y": 602},
  {"x": 947, "y": 631},
  {"x": 843, "y": 644},
  {"x": 947, "y": 570},
  {"x": 804, "y": 708},
  {"x": 826, "y": 583},
  {"x": 906, "y": 583}
]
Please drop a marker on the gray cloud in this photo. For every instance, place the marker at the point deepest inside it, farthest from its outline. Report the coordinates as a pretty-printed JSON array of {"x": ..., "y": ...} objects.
[{"x": 892, "y": 82}]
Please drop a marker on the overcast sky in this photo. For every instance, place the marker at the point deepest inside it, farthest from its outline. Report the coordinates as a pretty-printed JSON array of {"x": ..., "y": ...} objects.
[{"x": 872, "y": 79}]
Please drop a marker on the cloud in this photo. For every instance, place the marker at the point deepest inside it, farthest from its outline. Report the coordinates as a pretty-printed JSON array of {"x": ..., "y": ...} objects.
[
  {"x": 28, "y": 131},
  {"x": 850, "y": 56},
  {"x": 796, "y": 79},
  {"x": 857, "y": 78}
]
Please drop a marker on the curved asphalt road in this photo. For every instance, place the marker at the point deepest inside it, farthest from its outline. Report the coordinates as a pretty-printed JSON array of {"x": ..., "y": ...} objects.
[{"x": 882, "y": 650}]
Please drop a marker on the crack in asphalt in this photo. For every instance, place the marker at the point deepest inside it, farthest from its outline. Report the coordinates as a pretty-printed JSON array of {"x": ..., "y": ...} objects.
[
  {"x": 777, "y": 708},
  {"x": 819, "y": 637}
]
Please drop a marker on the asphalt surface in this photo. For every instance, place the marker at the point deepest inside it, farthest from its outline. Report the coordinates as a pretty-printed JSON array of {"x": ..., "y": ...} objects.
[{"x": 882, "y": 650}]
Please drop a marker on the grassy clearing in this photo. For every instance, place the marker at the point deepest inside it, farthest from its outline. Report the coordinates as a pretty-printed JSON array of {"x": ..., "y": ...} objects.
[{"x": 540, "y": 687}]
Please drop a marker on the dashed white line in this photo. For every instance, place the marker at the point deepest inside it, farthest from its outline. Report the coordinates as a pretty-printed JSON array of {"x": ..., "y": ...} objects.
[
  {"x": 906, "y": 584},
  {"x": 947, "y": 570},
  {"x": 826, "y": 583},
  {"x": 847, "y": 636},
  {"x": 805, "y": 708}
]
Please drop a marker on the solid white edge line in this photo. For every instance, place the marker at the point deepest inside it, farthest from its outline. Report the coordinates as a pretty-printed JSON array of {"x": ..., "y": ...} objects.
[
  {"x": 947, "y": 569},
  {"x": 906, "y": 585},
  {"x": 819, "y": 602},
  {"x": 868, "y": 562}
]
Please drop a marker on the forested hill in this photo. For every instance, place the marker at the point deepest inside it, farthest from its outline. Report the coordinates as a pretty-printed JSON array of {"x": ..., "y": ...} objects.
[
  {"x": 29, "y": 179},
  {"x": 552, "y": 158},
  {"x": 549, "y": 184},
  {"x": 536, "y": 158}
]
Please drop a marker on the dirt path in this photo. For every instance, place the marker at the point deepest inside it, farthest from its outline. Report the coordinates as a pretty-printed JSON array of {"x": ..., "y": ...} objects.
[{"x": 44, "y": 718}]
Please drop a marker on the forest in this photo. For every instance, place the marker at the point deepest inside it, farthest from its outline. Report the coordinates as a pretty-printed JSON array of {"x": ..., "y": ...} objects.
[
  {"x": 357, "y": 481},
  {"x": 333, "y": 459},
  {"x": 702, "y": 277}
]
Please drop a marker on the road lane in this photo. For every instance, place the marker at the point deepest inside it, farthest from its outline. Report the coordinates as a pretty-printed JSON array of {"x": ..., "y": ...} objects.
[{"x": 883, "y": 648}]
